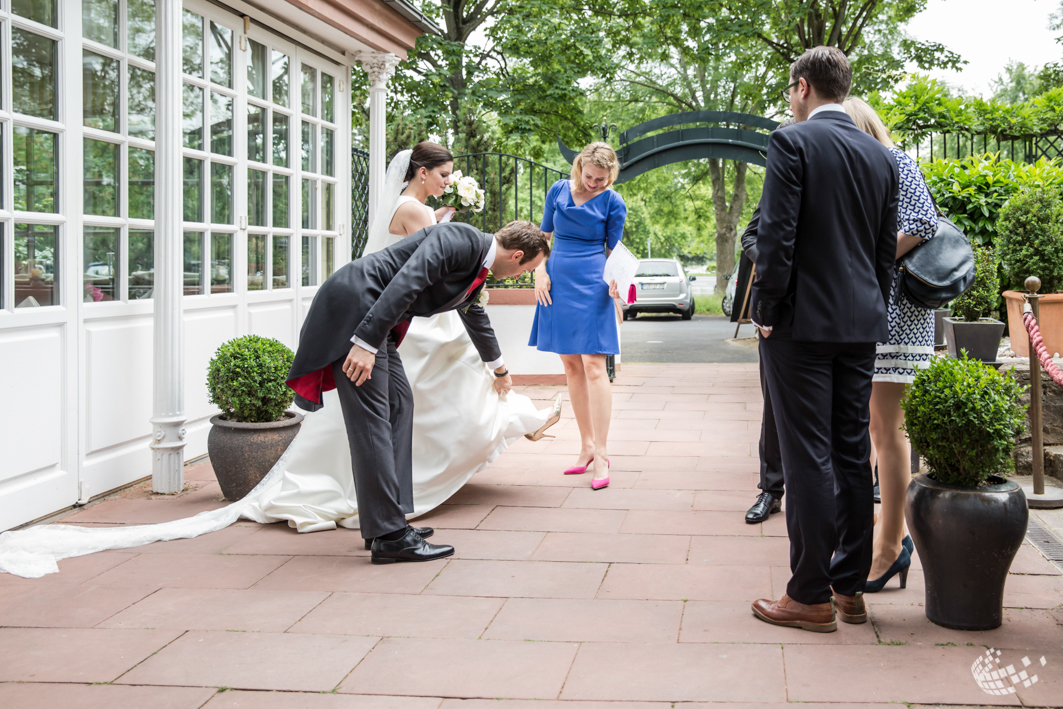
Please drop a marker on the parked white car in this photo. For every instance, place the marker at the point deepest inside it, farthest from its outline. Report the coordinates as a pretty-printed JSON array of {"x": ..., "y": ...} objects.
[
  {"x": 729, "y": 292},
  {"x": 662, "y": 286}
]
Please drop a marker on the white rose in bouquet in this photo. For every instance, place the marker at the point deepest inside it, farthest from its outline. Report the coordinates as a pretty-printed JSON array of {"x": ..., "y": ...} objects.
[{"x": 463, "y": 193}]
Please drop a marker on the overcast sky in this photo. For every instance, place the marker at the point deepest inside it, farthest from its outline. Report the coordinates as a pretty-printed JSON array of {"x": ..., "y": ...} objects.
[{"x": 987, "y": 33}]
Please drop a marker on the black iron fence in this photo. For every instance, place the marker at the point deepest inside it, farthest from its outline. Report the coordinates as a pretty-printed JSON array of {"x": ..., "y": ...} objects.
[{"x": 1024, "y": 148}]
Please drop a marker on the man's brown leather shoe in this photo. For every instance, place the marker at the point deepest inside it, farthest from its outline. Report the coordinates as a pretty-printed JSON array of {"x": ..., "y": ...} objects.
[
  {"x": 819, "y": 617},
  {"x": 851, "y": 609}
]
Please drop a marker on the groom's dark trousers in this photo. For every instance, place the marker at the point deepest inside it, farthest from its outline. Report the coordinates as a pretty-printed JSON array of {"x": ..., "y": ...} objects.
[
  {"x": 379, "y": 420},
  {"x": 826, "y": 241}
]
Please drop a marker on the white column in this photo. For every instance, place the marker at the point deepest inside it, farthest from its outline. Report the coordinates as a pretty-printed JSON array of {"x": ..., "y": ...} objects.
[
  {"x": 380, "y": 67},
  {"x": 168, "y": 416}
]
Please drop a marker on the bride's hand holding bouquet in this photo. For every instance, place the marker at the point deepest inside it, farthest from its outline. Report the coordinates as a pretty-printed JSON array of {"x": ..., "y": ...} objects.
[{"x": 463, "y": 194}]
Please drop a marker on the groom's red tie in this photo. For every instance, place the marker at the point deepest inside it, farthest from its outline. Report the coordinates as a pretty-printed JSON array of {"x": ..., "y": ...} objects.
[{"x": 399, "y": 331}]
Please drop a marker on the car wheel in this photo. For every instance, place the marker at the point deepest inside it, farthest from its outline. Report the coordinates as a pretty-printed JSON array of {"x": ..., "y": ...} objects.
[
  {"x": 688, "y": 313},
  {"x": 726, "y": 306},
  {"x": 628, "y": 315}
]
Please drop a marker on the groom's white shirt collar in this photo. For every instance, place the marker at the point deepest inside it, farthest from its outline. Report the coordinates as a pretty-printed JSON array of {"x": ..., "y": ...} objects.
[
  {"x": 489, "y": 260},
  {"x": 827, "y": 107}
]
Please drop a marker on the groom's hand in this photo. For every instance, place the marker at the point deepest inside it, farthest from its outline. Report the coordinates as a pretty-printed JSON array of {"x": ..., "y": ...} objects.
[{"x": 359, "y": 365}]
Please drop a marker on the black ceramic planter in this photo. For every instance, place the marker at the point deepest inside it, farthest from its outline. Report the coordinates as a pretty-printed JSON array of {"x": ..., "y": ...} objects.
[
  {"x": 939, "y": 326},
  {"x": 981, "y": 339},
  {"x": 242, "y": 453},
  {"x": 967, "y": 538}
]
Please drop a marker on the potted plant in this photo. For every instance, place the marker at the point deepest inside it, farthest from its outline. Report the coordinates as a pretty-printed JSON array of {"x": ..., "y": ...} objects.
[
  {"x": 966, "y": 519},
  {"x": 971, "y": 331},
  {"x": 1030, "y": 238},
  {"x": 246, "y": 380}
]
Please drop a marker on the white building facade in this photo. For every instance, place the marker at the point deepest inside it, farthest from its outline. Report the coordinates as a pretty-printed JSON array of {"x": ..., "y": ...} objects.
[{"x": 105, "y": 332}]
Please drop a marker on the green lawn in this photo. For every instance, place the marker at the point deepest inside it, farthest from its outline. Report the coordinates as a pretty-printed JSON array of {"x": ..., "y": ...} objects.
[{"x": 708, "y": 304}]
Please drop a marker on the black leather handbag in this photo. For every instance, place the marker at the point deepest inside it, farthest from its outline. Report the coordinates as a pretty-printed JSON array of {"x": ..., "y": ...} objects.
[{"x": 939, "y": 270}]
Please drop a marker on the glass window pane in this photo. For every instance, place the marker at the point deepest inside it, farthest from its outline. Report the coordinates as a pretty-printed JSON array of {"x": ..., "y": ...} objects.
[
  {"x": 280, "y": 262},
  {"x": 221, "y": 193},
  {"x": 99, "y": 21},
  {"x": 141, "y": 184},
  {"x": 280, "y": 78},
  {"x": 221, "y": 55},
  {"x": 328, "y": 87},
  {"x": 101, "y": 178},
  {"x": 280, "y": 140},
  {"x": 42, "y": 11},
  {"x": 102, "y": 264},
  {"x": 193, "y": 262},
  {"x": 309, "y": 205},
  {"x": 33, "y": 74},
  {"x": 141, "y": 264},
  {"x": 141, "y": 116},
  {"x": 309, "y": 147},
  {"x": 141, "y": 28},
  {"x": 256, "y": 138},
  {"x": 221, "y": 123},
  {"x": 221, "y": 258},
  {"x": 193, "y": 117},
  {"x": 309, "y": 90},
  {"x": 193, "y": 193},
  {"x": 328, "y": 152},
  {"x": 280, "y": 202},
  {"x": 328, "y": 207},
  {"x": 330, "y": 256},
  {"x": 192, "y": 46},
  {"x": 256, "y": 261},
  {"x": 99, "y": 80},
  {"x": 256, "y": 198},
  {"x": 309, "y": 261},
  {"x": 257, "y": 70},
  {"x": 36, "y": 265},
  {"x": 36, "y": 174}
]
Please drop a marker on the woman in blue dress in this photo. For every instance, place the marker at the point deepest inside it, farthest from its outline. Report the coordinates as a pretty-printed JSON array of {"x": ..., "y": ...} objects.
[{"x": 575, "y": 316}]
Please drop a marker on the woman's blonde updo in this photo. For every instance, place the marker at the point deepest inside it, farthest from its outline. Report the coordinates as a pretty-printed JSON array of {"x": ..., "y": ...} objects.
[
  {"x": 600, "y": 155},
  {"x": 867, "y": 120}
]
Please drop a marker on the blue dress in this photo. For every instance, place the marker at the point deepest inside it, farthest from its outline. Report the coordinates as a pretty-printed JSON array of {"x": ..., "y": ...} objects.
[{"x": 582, "y": 319}]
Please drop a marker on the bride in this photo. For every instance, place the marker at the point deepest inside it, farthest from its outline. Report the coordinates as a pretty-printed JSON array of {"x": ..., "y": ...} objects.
[{"x": 460, "y": 423}]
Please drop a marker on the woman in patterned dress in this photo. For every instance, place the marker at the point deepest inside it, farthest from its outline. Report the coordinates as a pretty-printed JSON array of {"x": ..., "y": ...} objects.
[{"x": 910, "y": 347}]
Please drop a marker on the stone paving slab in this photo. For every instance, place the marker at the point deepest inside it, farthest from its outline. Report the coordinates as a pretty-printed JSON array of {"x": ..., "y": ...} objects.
[{"x": 559, "y": 597}]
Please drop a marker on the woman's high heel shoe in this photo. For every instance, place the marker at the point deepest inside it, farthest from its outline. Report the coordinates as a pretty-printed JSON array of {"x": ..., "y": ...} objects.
[
  {"x": 580, "y": 469},
  {"x": 900, "y": 566},
  {"x": 554, "y": 418},
  {"x": 908, "y": 544},
  {"x": 604, "y": 482}
]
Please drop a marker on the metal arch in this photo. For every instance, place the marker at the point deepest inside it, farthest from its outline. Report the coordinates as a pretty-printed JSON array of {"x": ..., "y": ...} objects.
[
  {"x": 675, "y": 119},
  {"x": 688, "y": 151}
]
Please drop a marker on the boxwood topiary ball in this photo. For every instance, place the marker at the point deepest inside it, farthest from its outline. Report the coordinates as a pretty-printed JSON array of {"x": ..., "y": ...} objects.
[
  {"x": 246, "y": 379},
  {"x": 963, "y": 416}
]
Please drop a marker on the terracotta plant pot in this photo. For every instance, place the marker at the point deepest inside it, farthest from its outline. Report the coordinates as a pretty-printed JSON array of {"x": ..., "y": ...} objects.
[
  {"x": 966, "y": 538},
  {"x": 980, "y": 339},
  {"x": 1050, "y": 322},
  {"x": 242, "y": 453}
]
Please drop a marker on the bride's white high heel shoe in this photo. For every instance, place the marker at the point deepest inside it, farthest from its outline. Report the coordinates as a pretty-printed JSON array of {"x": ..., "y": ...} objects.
[{"x": 554, "y": 418}]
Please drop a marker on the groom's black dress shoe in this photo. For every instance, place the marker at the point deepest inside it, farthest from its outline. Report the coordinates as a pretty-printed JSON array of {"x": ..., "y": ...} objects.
[
  {"x": 411, "y": 547},
  {"x": 765, "y": 506},
  {"x": 424, "y": 532}
]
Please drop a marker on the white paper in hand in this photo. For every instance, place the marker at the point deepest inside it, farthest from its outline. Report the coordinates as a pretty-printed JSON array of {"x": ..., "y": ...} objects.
[
  {"x": 447, "y": 217},
  {"x": 621, "y": 267}
]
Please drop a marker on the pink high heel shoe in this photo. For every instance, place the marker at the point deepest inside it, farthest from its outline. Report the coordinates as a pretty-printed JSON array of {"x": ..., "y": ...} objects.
[
  {"x": 604, "y": 482},
  {"x": 580, "y": 469}
]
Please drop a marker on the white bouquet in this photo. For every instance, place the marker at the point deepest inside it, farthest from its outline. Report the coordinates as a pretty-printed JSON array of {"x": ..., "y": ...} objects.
[{"x": 463, "y": 193}]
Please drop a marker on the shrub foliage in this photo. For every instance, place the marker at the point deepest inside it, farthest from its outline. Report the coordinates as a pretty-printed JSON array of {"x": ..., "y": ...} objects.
[
  {"x": 1030, "y": 236},
  {"x": 246, "y": 379},
  {"x": 963, "y": 417},
  {"x": 981, "y": 298}
]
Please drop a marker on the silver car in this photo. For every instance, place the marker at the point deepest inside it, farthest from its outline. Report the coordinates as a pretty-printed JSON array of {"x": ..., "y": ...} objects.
[{"x": 662, "y": 286}]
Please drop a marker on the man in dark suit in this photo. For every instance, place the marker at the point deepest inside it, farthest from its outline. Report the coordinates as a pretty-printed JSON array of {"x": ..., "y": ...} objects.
[
  {"x": 369, "y": 302},
  {"x": 826, "y": 244}
]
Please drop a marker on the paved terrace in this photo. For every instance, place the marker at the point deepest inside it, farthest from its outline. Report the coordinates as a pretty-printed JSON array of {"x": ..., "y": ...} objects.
[{"x": 639, "y": 594}]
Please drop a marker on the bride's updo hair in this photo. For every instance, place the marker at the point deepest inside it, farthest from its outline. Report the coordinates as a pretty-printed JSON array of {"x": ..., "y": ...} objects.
[{"x": 428, "y": 155}]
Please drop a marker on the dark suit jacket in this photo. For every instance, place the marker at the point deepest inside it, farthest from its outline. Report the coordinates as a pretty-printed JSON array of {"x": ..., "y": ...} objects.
[
  {"x": 827, "y": 235},
  {"x": 425, "y": 274}
]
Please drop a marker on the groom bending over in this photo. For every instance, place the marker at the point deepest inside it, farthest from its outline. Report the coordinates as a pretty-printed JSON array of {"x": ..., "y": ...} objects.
[{"x": 369, "y": 302}]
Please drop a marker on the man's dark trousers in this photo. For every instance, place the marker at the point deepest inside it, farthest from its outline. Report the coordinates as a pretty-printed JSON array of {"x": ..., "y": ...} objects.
[
  {"x": 821, "y": 392},
  {"x": 771, "y": 478},
  {"x": 379, "y": 420}
]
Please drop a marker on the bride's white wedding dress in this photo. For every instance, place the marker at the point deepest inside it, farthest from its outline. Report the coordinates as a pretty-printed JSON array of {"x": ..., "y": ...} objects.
[{"x": 460, "y": 426}]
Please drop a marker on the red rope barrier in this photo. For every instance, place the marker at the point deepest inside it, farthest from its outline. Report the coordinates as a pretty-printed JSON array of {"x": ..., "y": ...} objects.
[{"x": 1039, "y": 347}]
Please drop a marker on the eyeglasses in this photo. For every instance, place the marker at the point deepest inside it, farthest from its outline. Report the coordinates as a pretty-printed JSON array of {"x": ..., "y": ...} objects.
[{"x": 786, "y": 92}]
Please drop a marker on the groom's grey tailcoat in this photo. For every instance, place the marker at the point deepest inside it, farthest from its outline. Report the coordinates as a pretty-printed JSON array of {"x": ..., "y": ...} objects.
[{"x": 425, "y": 274}]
